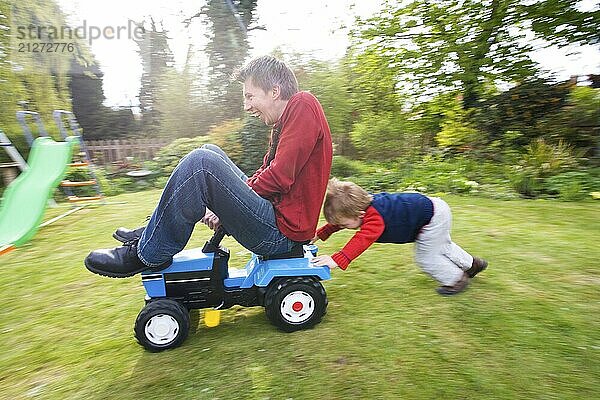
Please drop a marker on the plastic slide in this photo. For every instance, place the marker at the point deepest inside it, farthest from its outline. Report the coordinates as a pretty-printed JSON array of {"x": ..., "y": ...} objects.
[{"x": 24, "y": 201}]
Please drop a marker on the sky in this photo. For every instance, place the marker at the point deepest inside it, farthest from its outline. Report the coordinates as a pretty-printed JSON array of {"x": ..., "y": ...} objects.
[{"x": 309, "y": 27}]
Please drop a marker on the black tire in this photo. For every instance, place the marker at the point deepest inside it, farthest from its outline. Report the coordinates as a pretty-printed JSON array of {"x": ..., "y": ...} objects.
[
  {"x": 162, "y": 324},
  {"x": 292, "y": 304}
]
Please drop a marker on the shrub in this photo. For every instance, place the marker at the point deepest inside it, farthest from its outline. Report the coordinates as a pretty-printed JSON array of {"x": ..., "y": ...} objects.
[
  {"x": 521, "y": 108},
  {"x": 253, "y": 138},
  {"x": 435, "y": 174},
  {"x": 383, "y": 181},
  {"x": 456, "y": 130},
  {"x": 168, "y": 157},
  {"x": 572, "y": 185},
  {"x": 109, "y": 187},
  {"x": 343, "y": 167},
  {"x": 541, "y": 161},
  {"x": 224, "y": 136},
  {"x": 577, "y": 122},
  {"x": 385, "y": 136}
]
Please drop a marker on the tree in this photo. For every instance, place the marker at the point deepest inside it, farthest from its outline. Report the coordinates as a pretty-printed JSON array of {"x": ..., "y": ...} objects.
[
  {"x": 227, "y": 50},
  {"x": 521, "y": 109},
  {"x": 373, "y": 84},
  {"x": 157, "y": 59},
  {"x": 11, "y": 87},
  {"x": 445, "y": 45},
  {"x": 578, "y": 122},
  {"x": 329, "y": 82},
  {"x": 456, "y": 131},
  {"x": 97, "y": 120},
  {"x": 87, "y": 97},
  {"x": 180, "y": 102},
  {"x": 431, "y": 115},
  {"x": 385, "y": 136},
  {"x": 40, "y": 79}
]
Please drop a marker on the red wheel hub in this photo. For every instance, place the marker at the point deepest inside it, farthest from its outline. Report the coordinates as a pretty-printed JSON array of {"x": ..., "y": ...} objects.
[{"x": 297, "y": 306}]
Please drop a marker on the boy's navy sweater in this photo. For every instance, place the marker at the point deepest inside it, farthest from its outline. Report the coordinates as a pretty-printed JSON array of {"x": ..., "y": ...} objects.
[
  {"x": 404, "y": 214},
  {"x": 391, "y": 218}
]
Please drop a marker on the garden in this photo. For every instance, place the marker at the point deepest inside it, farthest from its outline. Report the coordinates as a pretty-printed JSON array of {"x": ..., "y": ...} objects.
[{"x": 447, "y": 99}]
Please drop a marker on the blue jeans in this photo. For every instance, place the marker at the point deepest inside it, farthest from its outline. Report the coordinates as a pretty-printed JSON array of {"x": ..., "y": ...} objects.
[{"x": 206, "y": 177}]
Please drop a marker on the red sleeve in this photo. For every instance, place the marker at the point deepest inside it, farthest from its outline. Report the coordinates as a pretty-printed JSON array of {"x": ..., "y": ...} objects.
[
  {"x": 370, "y": 230},
  {"x": 327, "y": 230},
  {"x": 299, "y": 134}
]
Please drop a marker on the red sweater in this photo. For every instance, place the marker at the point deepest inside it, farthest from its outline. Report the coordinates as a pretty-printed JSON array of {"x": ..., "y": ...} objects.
[
  {"x": 370, "y": 230},
  {"x": 296, "y": 179}
]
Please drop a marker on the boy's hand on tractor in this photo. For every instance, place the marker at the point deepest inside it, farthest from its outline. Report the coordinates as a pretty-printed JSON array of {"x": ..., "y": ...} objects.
[
  {"x": 314, "y": 239},
  {"x": 321, "y": 261},
  {"x": 211, "y": 220}
]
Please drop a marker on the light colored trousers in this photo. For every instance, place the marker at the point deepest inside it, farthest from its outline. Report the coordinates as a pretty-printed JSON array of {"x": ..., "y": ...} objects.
[{"x": 435, "y": 252}]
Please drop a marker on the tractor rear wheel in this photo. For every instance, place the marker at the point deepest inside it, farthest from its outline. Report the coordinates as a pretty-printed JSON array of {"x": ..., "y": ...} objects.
[{"x": 295, "y": 303}]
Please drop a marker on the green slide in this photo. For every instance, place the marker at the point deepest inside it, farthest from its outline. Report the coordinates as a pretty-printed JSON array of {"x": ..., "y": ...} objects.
[{"x": 24, "y": 201}]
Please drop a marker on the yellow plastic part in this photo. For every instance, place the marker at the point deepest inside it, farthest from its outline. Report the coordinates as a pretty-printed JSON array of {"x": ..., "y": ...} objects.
[{"x": 212, "y": 318}]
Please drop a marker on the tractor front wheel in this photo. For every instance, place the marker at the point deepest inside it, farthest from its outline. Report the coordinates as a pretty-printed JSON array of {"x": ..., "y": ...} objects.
[{"x": 162, "y": 324}]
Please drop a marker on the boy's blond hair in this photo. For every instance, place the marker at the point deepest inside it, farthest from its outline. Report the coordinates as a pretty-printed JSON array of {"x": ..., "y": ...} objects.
[{"x": 344, "y": 200}]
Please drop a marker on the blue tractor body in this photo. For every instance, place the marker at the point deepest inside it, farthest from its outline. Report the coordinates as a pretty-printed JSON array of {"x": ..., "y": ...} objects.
[
  {"x": 199, "y": 279},
  {"x": 287, "y": 285}
]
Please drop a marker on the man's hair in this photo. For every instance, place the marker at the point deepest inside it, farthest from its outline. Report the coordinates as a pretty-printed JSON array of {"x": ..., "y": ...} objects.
[
  {"x": 344, "y": 200},
  {"x": 267, "y": 72}
]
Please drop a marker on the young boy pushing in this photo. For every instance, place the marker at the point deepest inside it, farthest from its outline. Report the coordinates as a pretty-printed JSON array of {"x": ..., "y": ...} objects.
[{"x": 397, "y": 218}]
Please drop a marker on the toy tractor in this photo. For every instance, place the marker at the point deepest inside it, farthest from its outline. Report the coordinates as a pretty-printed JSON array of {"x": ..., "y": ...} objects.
[{"x": 286, "y": 285}]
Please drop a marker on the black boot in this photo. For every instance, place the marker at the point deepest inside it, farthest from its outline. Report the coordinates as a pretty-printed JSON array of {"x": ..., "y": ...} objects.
[
  {"x": 125, "y": 235},
  {"x": 479, "y": 264},
  {"x": 458, "y": 287},
  {"x": 119, "y": 262}
]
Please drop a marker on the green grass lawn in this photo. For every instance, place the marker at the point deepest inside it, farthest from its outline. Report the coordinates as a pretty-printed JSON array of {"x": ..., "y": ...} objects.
[{"x": 528, "y": 327}]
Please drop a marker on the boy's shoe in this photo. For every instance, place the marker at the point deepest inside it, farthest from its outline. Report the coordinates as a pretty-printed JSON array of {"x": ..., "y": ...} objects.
[
  {"x": 119, "y": 262},
  {"x": 458, "y": 287},
  {"x": 125, "y": 235},
  {"x": 479, "y": 264}
]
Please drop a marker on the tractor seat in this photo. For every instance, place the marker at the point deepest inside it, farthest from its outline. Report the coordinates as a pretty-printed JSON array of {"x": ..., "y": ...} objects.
[{"x": 297, "y": 251}]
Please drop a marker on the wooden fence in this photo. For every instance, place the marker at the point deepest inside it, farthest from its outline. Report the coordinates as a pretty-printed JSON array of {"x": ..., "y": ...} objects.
[{"x": 105, "y": 152}]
